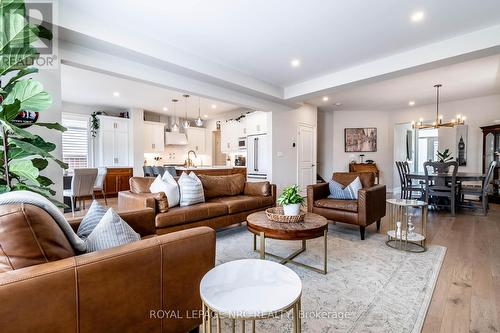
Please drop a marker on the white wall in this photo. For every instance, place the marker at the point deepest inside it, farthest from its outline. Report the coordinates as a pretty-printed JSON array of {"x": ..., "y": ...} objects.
[
  {"x": 284, "y": 135},
  {"x": 354, "y": 119},
  {"x": 325, "y": 144}
]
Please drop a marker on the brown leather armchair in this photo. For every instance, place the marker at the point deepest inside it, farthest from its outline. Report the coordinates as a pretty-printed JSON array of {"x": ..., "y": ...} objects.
[
  {"x": 147, "y": 286},
  {"x": 369, "y": 208}
]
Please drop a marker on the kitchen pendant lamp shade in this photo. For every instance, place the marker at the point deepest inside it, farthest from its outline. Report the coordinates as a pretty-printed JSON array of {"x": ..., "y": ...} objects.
[
  {"x": 175, "y": 126},
  {"x": 199, "y": 121},
  {"x": 438, "y": 122},
  {"x": 186, "y": 123}
]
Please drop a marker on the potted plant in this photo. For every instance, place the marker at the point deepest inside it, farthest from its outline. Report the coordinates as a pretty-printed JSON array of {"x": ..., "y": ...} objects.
[
  {"x": 291, "y": 200},
  {"x": 24, "y": 153},
  {"x": 444, "y": 157}
]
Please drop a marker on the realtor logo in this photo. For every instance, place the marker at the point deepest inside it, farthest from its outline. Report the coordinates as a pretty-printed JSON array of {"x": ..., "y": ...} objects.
[{"x": 21, "y": 24}]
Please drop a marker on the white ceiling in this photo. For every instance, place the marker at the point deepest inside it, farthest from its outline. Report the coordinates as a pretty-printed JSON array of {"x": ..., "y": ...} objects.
[
  {"x": 260, "y": 37},
  {"x": 479, "y": 77},
  {"x": 96, "y": 89}
]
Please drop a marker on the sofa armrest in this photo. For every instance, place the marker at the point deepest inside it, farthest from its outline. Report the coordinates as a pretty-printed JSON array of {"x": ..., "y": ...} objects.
[
  {"x": 371, "y": 204},
  {"x": 122, "y": 289},
  {"x": 316, "y": 192},
  {"x": 128, "y": 200}
]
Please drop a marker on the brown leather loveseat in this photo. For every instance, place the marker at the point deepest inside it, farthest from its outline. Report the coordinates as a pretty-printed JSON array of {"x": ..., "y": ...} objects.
[
  {"x": 369, "y": 208},
  {"x": 150, "y": 285},
  {"x": 228, "y": 200}
]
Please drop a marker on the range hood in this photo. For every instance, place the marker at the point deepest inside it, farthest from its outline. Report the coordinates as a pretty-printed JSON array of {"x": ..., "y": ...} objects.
[{"x": 175, "y": 139}]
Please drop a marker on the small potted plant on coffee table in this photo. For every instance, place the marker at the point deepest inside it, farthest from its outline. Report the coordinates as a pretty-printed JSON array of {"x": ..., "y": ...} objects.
[{"x": 291, "y": 200}]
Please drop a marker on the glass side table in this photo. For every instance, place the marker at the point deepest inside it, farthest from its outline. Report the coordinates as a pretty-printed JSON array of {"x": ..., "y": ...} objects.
[{"x": 407, "y": 229}]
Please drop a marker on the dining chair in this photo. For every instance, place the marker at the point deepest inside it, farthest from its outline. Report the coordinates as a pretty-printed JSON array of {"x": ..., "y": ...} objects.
[
  {"x": 82, "y": 185},
  {"x": 408, "y": 188},
  {"x": 148, "y": 171},
  {"x": 437, "y": 187},
  {"x": 158, "y": 171},
  {"x": 99, "y": 182},
  {"x": 481, "y": 192}
]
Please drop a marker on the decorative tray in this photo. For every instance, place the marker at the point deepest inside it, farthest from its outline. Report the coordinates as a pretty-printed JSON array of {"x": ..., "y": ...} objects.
[{"x": 276, "y": 214}]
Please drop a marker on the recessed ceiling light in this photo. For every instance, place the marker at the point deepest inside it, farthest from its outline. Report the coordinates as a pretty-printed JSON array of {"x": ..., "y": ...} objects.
[
  {"x": 214, "y": 106},
  {"x": 116, "y": 94},
  {"x": 338, "y": 104},
  {"x": 295, "y": 63},
  {"x": 165, "y": 109},
  {"x": 411, "y": 103},
  {"x": 417, "y": 16},
  {"x": 205, "y": 115},
  {"x": 325, "y": 98}
]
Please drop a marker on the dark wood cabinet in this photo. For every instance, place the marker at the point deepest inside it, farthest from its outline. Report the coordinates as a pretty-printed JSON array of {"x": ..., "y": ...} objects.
[
  {"x": 117, "y": 179},
  {"x": 365, "y": 167},
  {"x": 491, "y": 152}
]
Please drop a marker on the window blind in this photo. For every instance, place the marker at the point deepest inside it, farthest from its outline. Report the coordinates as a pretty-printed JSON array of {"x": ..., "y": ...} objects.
[{"x": 75, "y": 140}]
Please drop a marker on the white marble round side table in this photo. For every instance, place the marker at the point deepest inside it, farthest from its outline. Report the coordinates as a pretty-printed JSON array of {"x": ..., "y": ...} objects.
[
  {"x": 399, "y": 235},
  {"x": 249, "y": 289}
]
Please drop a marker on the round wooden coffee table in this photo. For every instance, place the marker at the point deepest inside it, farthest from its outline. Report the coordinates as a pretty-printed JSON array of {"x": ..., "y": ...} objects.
[{"x": 313, "y": 226}]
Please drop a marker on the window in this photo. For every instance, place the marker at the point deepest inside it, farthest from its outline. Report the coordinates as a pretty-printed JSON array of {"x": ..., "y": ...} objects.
[{"x": 75, "y": 148}]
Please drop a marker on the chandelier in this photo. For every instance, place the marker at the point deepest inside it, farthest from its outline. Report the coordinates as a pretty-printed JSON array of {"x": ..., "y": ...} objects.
[{"x": 459, "y": 120}]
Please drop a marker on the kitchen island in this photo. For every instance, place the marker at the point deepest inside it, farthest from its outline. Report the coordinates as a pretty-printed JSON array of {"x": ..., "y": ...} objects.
[{"x": 214, "y": 170}]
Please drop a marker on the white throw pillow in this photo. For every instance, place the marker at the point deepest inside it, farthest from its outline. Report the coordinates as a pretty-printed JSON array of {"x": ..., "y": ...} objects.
[
  {"x": 111, "y": 231},
  {"x": 191, "y": 189},
  {"x": 169, "y": 186}
]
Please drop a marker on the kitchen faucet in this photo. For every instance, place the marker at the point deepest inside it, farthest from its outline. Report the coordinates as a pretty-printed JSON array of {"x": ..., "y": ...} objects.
[{"x": 189, "y": 161}]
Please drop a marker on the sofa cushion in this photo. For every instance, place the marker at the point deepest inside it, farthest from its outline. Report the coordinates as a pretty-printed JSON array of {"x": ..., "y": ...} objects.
[
  {"x": 345, "y": 178},
  {"x": 167, "y": 185},
  {"x": 198, "y": 212},
  {"x": 220, "y": 186},
  {"x": 257, "y": 188},
  {"x": 141, "y": 184},
  {"x": 30, "y": 236},
  {"x": 339, "y": 204},
  {"x": 239, "y": 203}
]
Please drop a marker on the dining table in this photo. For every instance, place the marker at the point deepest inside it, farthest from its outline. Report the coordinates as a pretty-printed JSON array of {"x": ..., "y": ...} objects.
[{"x": 460, "y": 176}]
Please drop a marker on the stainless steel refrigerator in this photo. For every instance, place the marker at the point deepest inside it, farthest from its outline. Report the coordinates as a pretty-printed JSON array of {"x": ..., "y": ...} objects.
[{"x": 257, "y": 157}]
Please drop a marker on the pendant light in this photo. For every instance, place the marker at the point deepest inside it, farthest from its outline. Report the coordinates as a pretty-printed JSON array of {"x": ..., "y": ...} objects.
[
  {"x": 175, "y": 126},
  {"x": 186, "y": 123},
  {"x": 438, "y": 122},
  {"x": 199, "y": 121}
]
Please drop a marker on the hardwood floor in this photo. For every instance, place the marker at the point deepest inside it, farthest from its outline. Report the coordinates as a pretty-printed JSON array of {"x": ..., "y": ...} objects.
[{"x": 467, "y": 293}]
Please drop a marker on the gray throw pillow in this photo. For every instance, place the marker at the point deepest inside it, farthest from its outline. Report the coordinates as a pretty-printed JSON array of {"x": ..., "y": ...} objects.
[
  {"x": 111, "y": 231},
  {"x": 91, "y": 219}
]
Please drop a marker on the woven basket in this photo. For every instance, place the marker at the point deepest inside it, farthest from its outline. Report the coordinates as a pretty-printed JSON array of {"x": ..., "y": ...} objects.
[{"x": 276, "y": 214}]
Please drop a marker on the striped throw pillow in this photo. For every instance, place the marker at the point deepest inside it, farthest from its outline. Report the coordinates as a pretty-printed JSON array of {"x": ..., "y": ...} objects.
[
  {"x": 191, "y": 189},
  {"x": 91, "y": 219},
  {"x": 349, "y": 192},
  {"x": 111, "y": 231}
]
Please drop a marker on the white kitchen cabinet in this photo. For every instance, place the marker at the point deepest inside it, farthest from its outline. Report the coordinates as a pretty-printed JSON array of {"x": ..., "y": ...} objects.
[
  {"x": 230, "y": 132},
  {"x": 112, "y": 142},
  {"x": 154, "y": 137},
  {"x": 196, "y": 139},
  {"x": 256, "y": 123}
]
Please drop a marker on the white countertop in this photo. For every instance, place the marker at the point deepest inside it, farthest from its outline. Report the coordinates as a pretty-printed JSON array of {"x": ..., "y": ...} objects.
[
  {"x": 250, "y": 288},
  {"x": 208, "y": 167}
]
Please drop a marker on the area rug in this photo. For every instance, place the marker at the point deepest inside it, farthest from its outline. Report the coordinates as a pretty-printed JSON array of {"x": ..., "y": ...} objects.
[{"x": 369, "y": 286}]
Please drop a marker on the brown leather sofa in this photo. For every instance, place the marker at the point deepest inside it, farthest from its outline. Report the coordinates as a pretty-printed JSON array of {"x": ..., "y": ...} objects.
[
  {"x": 147, "y": 286},
  {"x": 228, "y": 200},
  {"x": 369, "y": 208}
]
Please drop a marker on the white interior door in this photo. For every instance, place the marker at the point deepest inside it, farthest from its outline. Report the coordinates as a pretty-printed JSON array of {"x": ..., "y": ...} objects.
[{"x": 306, "y": 156}]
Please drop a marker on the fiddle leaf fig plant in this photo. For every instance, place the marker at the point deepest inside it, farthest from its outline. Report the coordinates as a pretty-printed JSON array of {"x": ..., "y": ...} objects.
[{"x": 24, "y": 153}]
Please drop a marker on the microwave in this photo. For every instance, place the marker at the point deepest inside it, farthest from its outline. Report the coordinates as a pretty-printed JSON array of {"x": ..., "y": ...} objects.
[{"x": 242, "y": 143}]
